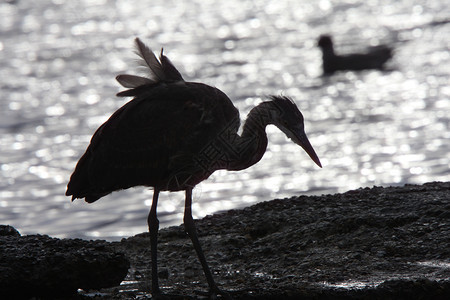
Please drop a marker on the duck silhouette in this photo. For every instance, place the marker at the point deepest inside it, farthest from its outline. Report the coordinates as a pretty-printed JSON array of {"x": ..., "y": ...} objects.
[{"x": 373, "y": 58}]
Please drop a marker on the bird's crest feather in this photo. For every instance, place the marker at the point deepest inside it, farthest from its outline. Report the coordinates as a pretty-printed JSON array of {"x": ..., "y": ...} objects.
[
  {"x": 149, "y": 61},
  {"x": 158, "y": 71},
  {"x": 133, "y": 81}
]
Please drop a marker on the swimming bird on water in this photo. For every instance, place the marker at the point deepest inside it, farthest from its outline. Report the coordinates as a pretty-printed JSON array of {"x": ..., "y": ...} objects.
[
  {"x": 374, "y": 58},
  {"x": 171, "y": 136}
]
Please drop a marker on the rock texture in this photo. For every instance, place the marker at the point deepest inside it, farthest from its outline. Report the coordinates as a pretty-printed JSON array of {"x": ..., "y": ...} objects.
[
  {"x": 38, "y": 265},
  {"x": 372, "y": 243}
]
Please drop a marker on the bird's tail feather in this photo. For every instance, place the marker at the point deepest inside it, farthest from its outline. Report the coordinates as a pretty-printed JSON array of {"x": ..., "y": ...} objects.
[{"x": 79, "y": 185}]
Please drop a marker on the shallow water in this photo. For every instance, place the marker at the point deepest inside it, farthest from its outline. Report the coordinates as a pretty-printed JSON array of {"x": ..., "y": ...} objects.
[{"x": 59, "y": 59}]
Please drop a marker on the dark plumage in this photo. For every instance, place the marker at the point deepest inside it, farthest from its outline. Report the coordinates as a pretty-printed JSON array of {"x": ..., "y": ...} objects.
[
  {"x": 171, "y": 136},
  {"x": 374, "y": 58}
]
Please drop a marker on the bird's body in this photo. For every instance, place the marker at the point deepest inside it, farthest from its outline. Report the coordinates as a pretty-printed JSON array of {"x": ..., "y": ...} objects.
[
  {"x": 173, "y": 135},
  {"x": 155, "y": 140},
  {"x": 374, "y": 58}
]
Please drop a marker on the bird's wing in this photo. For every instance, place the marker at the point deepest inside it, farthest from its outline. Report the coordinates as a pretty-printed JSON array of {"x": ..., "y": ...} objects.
[{"x": 150, "y": 137}]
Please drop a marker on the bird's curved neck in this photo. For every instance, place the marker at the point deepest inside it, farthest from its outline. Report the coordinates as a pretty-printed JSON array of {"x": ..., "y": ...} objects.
[
  {"x": 328, "y": 51},
  {"x": 252, "y": 143}
]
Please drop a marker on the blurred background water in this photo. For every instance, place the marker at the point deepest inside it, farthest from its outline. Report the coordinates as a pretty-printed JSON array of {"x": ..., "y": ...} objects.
[{"x": 59, "y": 58}]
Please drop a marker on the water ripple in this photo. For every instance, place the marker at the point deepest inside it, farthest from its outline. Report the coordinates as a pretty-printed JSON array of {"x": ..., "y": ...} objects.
[{"x": 59, "y": 59}]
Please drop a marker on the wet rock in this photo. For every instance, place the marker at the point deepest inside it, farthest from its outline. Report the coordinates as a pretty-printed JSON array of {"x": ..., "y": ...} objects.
[
  {"x": 371, "y": 243},
  {"x": 38, "y": 265}
]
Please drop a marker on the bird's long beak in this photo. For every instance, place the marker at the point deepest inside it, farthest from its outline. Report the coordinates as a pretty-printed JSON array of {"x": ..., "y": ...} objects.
[
  {"x": 306, "y": 145},
  {"x": 301, "y": 139}
]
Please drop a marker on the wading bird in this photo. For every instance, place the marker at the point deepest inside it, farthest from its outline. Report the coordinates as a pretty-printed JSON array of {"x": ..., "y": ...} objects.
[
  {"x": 172, "y": 135},
  {"x": 374, "y": 58}
]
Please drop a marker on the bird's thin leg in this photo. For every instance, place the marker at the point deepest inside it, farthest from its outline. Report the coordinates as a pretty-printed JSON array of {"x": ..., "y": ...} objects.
[
  {"x": 189, "y": 226},
  {"x": 153, "y": 226}
]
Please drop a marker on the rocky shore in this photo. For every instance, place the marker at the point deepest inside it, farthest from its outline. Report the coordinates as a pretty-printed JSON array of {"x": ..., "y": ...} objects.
[{"x": 371, "y": 243}]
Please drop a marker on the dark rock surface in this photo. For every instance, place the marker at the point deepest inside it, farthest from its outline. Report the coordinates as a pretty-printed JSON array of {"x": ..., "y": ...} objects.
[
  {"x": 38, "y": 265},
  {"x": 6, "y": 230},
  {"x": 377, "y": 243}
]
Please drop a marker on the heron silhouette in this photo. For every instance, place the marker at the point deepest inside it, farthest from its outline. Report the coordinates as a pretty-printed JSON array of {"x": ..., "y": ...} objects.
[
  {"x": 373, "y": 58},
  {"x": 172, "y": 135}
]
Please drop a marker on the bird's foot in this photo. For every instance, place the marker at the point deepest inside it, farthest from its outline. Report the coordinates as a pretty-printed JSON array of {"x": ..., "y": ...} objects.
[{"x": 156, "y": 294}]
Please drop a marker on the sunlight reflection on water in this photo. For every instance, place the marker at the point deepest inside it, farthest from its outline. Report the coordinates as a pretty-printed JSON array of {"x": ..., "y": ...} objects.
[{"x": 59, "y": 60}]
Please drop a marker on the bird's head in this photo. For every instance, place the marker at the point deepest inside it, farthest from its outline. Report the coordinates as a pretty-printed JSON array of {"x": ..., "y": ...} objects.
[
  {"x": 325, "y": 42},
  {"x": 288, "y": 118}
]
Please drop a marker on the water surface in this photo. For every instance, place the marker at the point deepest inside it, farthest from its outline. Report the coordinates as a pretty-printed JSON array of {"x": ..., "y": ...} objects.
[{"x": 59, "y": 59}]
